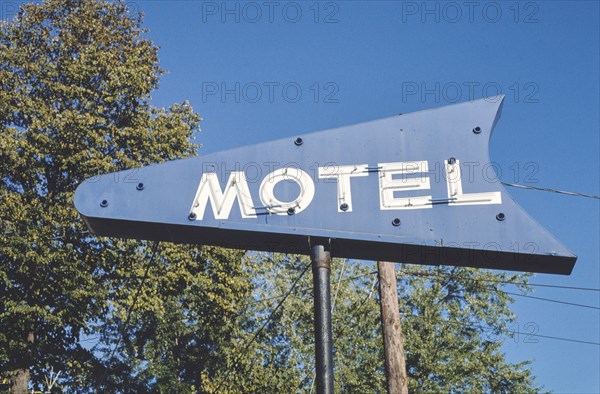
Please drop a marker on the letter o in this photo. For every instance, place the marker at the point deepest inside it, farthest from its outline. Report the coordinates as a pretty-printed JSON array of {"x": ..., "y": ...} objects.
[{"x": 267, "y": 187}]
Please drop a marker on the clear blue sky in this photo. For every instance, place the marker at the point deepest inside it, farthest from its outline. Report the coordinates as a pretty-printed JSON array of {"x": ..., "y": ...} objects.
[{"x": 306, "y": 66}]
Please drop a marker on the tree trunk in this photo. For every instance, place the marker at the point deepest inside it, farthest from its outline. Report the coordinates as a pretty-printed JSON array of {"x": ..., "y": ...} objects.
[
  {"x": 20, "y": 377},
  {"x": 393, "y": 344},
  {"x": 19, "y": 381}
]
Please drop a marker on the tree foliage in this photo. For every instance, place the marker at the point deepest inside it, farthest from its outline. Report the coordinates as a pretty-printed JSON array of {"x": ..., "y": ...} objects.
[
  {"x": 76, "y": 79},
  {"x": 183, "y": 320},
  {"x": 453, "y": 322}
]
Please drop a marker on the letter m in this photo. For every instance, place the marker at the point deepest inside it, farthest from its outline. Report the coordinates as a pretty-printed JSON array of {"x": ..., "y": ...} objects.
[{"x": 222, "y": 201}]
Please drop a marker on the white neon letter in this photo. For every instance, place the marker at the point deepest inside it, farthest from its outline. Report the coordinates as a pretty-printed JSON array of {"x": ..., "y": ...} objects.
[
  {"x": 273, "y": 205},
  {"x": 393, "y": 178},
  {"x": 455, "y": 192},
  {"x": 343, "y": 175},
  {"x": 222, "y": 201}
]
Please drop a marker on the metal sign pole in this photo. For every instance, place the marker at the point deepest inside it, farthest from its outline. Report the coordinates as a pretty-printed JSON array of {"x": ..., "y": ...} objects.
[{"x": 321, "y": 268}]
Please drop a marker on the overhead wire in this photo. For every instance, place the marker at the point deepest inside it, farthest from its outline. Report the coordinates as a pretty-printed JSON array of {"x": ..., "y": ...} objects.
[
  {"x": 546, "y": 189},
  {"x": 463, "y": 324},
  {"x": 312, "y": 384},
  {"x": 561, "y": 287},
  {"x": 556, "y": 338},
  {"x": 511, "y": 293},
  {"x": 261, "y": 300},
  {"x": 340, "y": 279},
  {"x": 359, "y": 308},
  {"x": 257, "y": 333},
  {"x": 424, "y": 273},
  {"x": 133, "y": 303},
  {"x": 540, "y": 298},
  {"x": 552, "y": 300},
  {"x": 527, "y": 296},
  {"x": 431, "y": 274}
]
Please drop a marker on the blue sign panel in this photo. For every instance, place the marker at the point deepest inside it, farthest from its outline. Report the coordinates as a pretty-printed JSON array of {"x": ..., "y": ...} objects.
[{"x": 414, "y": 188}]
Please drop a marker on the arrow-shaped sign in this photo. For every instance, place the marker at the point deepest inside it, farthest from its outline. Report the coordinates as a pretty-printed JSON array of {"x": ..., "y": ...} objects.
[{"x": 415, "y": 188}]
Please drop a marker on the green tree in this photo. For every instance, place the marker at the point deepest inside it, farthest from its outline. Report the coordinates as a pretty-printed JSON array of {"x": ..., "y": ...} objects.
[
  {"x": 183, "y": 320},
  {"x": 454, "y": 321},
  {"x": 76, "y": 79}
]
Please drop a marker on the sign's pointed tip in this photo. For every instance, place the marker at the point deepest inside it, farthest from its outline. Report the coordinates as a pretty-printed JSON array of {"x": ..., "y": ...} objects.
[{"x": 498, "y": 99}]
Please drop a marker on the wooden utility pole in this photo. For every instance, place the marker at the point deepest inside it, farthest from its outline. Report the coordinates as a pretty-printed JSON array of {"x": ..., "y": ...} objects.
[{"x": 393, "y": 343}]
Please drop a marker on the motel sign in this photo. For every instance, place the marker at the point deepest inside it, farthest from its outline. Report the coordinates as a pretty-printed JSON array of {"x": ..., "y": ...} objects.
[{"x": 412, "y": 188}]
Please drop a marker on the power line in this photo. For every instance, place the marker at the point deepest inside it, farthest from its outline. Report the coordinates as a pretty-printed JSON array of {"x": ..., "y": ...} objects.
[
  {"x": 511, "y": 331},
  {"x": 563, "y": 287},
  {"x": 553, "y": 337},
  {"x": 356, "y": 309},
  {"x": 139, "y": 289},
  {"x": 262, "y": 300},
  {"x": 337, "y": 289},
  {"x": 359, "y": 308},
  {"x": 551, "y": 300},
  {"x": 516, "y": 283},
  {"x": 522, "y": 295},
  {"x": 257, "y": 333},
  {"x": 132, "y": 306},
  {"x": 545, "y": 189},
  {"x": 423, "y": 273}
]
